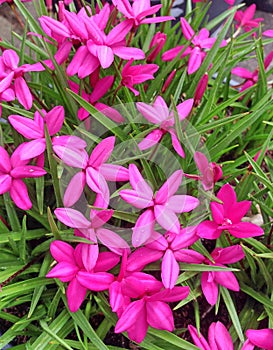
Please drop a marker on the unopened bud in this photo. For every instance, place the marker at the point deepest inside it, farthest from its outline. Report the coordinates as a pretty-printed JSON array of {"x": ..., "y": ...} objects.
[
  {"x": 156, "y": 44},
  {"x": 168, "y": 81},
  {"x": 200, "y": 90}
]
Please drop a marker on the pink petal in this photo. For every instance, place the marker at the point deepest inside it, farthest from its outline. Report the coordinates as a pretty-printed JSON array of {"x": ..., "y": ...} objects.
[
  {"x": 74, "y": 189},
  {"x": 102, "y": 152},
  {"x": 19, "y": 194},
  {"x": 69, "y": 141},
  {"x": 64, "y": 270},
  {"x": 11, "y": 59},
  {"x": 143, "y": 228},
  {"x": 188, "y": 256},
  {"x": 142, "y": 257},
  {"x": 5, "y": 165},
  {"x": 176, "y": 144},
  {"x": 217, "y": 212},
  {"x": 106, "y": 261},
  {"x": 261, "y": 337},
  {"x": 126, "y": 53},
  {"x": 198, "y": 339},
  {"x": 171, "y": 295},
  {"x": 71, "y": 218},
  {"x": 54, "y": 120},
  {"x": 105, "y": 56},
  {"x": 245, "y": 230},
  {"x": 6, "y": 82},
  {"x": 89, "y": 254},
  {"x": 268, "y": 33},
  {"x": 169, "y": 269},
  {"x": 137, "y": 199},
  {"x": 26, "y": 127},
  {"x": 167, "y": 218},
  {"x": 220, "y": 337},
  {"x": 112, "y": 172},
  {"x": 75, "y": 295},
  {"x": 33, "y": 149},
  {"x": 118, "y": 33},
  {"x": 160, "y": 316},
  {"x": 169, "y": 187},
  {"x": 242, "y": 72},
  {"x": 185, "y": 108},
  {"x": 151, "y": 139},
  {"x": 208, "y": 229},
  {"x": 130, "y": 315},
  {"x": 228, "y": 255},
  {"x": 227, "y": 280},
  {"x": 62, "y": 251},
  {"x": 5, "y": 183},
  {"x": 154, "y": 114},
  {"x": 138, "y": 183},
  {"x": 185, "y": 238},
  {"x": 195, "y": 60},
  {"x": 209, "y": 288},
  {"x": 97, "y": 281},
  {"x": 109, "y": 112},
  {"x": 237, "y": 211},
  {"x": 182, "y": 203},
  {"x": 112, "y": 241},
  {"x": 187, "y": 30},
  {"x": 172, "y": 53},
  {"x": 77, "y": 158},
  {"x": 27, "y": 171},
  {"x": 96, "y": 181},
  {"x": 23, "y": 93},
  {"x": 101, "y": 88}
]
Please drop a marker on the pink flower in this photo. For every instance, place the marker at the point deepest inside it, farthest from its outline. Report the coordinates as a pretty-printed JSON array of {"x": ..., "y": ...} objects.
[
  {"x": 199, "y": 43},
  {"x": 211, "y": 279},
  {"x": 219, "y": 337},
  {"x": 156, "y": 45},
  {"x": 12, "y": 170},
  {"x": 169, "y": 248},
  {"x": 210, "y": 172},
  {"x": 251, "y": 78},
  {"x": 200, "y": 90},
  {"x": 159, "y": 113},
  {"x": 134, "y": 75},
  {"x": 101, "y": 87},
  {"x": 82, "y": 264},
  {"x": 93, "y": 229},
  {"x": 94, "y": 171},
  {"x": 245, "y": 19},
  {"x": 161, "y": 207},
  {"x": 150, "y": 310},
  {"x": 140, "y": 9},
  {"x": 227, "y": 217},
  {"x": 259, "y": 337}
]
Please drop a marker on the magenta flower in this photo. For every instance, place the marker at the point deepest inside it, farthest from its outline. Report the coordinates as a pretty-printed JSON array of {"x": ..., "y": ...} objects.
[
  {"x": 210, "y": 172},
  {"x": 218, "y": 337},
  {"x": 150, "y": 310},
  {"x": 169, "y": 248},
  {"x": 156, "y": 45},
  {"x": 140, "y": 9},
  {"x": 259, "y": 337},
  {"x": 134, "y": 75},
  {"x": 200, "y": 89},
  {"x": 83, "y": 262},
  {"x": 101, "y": 87},
  {"x": 159, "y": 113},
  {"x": 211, "y": 279},
  {"x": 227, "y": 217},
  {"x": 251, "y": 78},
  {"x": 199, "y": 43},
  {"x": 12, "y": 170},
  {"x": 161, "y": 207},
  {"x": 245, "y": 18},
  {"x": 94, "y": 171},
  {"x": 93, "y": 229}
]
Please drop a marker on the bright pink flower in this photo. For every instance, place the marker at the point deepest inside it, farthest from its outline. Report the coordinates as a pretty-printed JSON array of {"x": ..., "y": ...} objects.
[
  {"x": 211, "y": 279},
  {"x": 94, "y": 171},
  {"x": 169, "y": 248},
  {"x": 93, "y": 229},
  {"x": 230, "y": 2},
  {"x": 245, "y": 18},
  {"x": 259, "y": 337},
  {"x": 12, "y": 170},
  {"x": 140, "y": 9},
  {"x": 168, "y": 81},
  {"x": 151, "y": 310},
  {"x": 101, "y": 87},
  {"x": 199, "y": 43},
  {"x": 227, "y": 217},
  {"x": 156, "y": 45},
  {"x": 210, "y": 172},
  {"x": 159, "y": 113},
  {"x": 134, "y": 75},
  {"x": 218, "y": 337},
  {"x": 12, "y": 77},
  {"x": 82, "y": 263},
  {"x": 200, "y": 89},
  {"x": 251, "y": 78},
  {"x": 161, "y": 207},
  {"x": 11, "y": 1}
]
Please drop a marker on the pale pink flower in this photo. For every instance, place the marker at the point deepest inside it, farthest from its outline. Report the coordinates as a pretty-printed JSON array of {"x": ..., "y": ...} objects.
[
  {"x": 12, "y": 170},
  {"x": 245, "y": 18},
  {"x": 227, "y": 217},
  {"x": 134, "y": 75},
  {"x": 139, "y": 10},
  {"x": 94, "y": 171},
  {"x": 211, "y": 279},
  {"x": 161, "y": 207},
  {"x": 197, "y": 50},
  {"x": 159, "y": 114},
  {"x": 83, "y": 262}
]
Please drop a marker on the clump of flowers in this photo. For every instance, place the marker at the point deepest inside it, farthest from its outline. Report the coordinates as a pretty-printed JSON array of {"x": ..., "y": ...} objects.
[{"x": 131, "y": 178}]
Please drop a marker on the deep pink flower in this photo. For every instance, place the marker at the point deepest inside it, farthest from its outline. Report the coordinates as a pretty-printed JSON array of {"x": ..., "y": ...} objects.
[
  {"x": 230, "y": 2},
  {"x": 93, "y": 229},
  {"x": 245, "y": 18},
  {"x": 151, "y": 310},
  {"x": 12, "y": 170},
  {"x": 169, "y": 248},
  {"x": 134, "y": 75},
  {"x": 159, "y": 114},
  {"x": 84, "y": 263},
  {"x": 140, "y": 9},
  {"x": 94, "y": 171},
  {"x": 259, "y": 337},
  {"x": 196, "y": 51},
  {"x": 211, "y": 279},
  {"x": 102, "y": 86},
  {"x": 156, "y": 45},
  {"x": 251, "y": 78},
  {"x": 200, "y": 89},
  {"x": 161, "y": 206},
  {"x": 227, "y": 217}
]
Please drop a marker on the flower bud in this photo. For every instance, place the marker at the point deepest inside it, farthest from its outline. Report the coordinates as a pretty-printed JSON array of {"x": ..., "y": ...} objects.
[
  {"x": 200, "y": 90},
  {"x": 156, "y": 44},
  {"x": 168, "y": 81}
]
